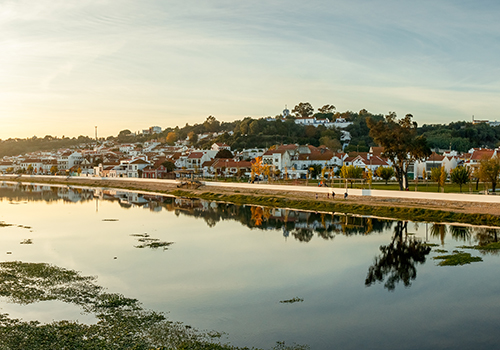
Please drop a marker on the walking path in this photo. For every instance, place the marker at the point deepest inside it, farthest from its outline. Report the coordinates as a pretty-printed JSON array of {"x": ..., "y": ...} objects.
[{"x": 410, "y": 195}]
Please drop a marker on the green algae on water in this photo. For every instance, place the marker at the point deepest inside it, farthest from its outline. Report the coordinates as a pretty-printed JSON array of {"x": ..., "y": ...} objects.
[{"x": 457, "y": 258}]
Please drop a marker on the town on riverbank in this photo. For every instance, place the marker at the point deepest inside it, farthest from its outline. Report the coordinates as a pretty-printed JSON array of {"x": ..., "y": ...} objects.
[{"x": 347, "y": 150}]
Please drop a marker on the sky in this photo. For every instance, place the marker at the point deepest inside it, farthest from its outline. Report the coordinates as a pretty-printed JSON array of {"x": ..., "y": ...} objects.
[{"x": 67, "y": 66}]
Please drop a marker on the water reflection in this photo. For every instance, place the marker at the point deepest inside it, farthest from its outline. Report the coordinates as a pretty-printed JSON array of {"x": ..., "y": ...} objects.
[
  {"x": 303, "y": 226},
  {"x": 399, "y": 259}
]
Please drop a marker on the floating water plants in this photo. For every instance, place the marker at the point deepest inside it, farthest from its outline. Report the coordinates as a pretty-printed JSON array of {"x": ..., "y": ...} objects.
[{"x": 457, "y": 258}]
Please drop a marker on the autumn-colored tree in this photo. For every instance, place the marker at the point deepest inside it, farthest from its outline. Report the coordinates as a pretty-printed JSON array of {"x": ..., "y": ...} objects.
[
  {"x": 351, "y": 173},
  {"x": 439, "y": 175},
  {"x": 489, "y": 169},
  {"x": 257, "y": 167},
  {"x": 171, "y": 137}
]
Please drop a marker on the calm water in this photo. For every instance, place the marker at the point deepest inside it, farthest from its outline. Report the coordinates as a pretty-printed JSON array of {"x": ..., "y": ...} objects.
[{"x": 230, "y": 266}]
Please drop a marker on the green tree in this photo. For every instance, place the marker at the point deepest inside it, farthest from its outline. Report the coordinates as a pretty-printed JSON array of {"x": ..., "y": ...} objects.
[
  {"x": 303, "y": 110},
  {"x": 489, "y": 169},
  {"x": 169, "y": 166},
  {"x": 401, "y": 143},
  {"x": 327, "y": 109},
  {"x": 193, "y": 137},
  {"x": 460, "y": 176},
  {"x": 332, "y": 144},
  {"x": 211, "y": 124},
  {"x": 253, "y": 128},
  {"x": 224, "y": 153},
  {"x": 385, "y": 173}
]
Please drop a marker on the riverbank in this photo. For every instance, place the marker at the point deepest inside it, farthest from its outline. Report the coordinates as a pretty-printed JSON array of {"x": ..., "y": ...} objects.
[{"x": 417, "y": 209}]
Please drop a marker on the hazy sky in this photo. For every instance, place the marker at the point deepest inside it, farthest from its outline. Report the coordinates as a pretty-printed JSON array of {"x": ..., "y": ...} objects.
[{"x": 66, "y": 66}]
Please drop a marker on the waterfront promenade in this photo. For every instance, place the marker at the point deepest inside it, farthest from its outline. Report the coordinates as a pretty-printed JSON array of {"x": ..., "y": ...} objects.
[{"x": 264, "y": 187}]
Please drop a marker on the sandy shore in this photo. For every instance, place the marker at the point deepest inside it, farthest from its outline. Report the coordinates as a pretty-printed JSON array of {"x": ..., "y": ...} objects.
[{"x": 452, "y": 206}]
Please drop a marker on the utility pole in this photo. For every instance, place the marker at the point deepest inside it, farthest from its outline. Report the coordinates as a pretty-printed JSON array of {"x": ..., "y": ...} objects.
[{"x": 96, "y": 133}]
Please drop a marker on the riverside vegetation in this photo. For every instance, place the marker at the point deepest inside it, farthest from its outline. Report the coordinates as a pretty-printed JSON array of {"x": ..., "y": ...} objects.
[{"x": 122, "y": 322}]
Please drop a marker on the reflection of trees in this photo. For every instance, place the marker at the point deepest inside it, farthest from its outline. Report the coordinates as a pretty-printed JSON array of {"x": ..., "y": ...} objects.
[
  {"x": 302, "y": 234},
  {"x": 485, "y": 236},
  {"x": 439, "y": 230},
  {"x": 302, "y": 225},
  {"x": 398, "y": 260},
  {"x": 460, "y": 233}
]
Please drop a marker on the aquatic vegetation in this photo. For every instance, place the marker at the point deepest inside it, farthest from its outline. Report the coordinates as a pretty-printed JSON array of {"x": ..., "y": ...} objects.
[
  {"x": 109, "y": 219},
  {"x": 3, "y": 224},
  {"x": 457, "y": 258},
  {"x": 27, "y": 241},
  {"x": 293, "y": 300},
  {"x": 122, "y": 322},
  {"x": 489, "y": 246},
  {"x": 153, "y": 243},
  {"x": 442, "y": 251},
  {"x": 430, "y": 245}
]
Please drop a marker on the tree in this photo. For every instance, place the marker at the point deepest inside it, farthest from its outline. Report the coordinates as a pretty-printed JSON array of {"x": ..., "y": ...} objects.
[
  {"x": 385, "y": 173},
  {"x": 211, "y": 124},
  {"x": 193, "y": 137},
  {"x": 437, "y": 175},
  {"x": 489, "y": 169},
  {"x": 168, "y": 165},
  {"x": 253, "y": 128},
  {"x": 401, "y": 143},
  {"x": 442, "y": 177},
  {"x": 30, "y": 169},
  {"x": 351, "y": 172},
  {"x": 303, "y": 110},
  {"x": 330, "y": 143},
  {"x": 124, "y": 135},
  {"x": 171, "y": 137},
  {"x": 460, "y": 176},
  {"x": 224, "y": 153},
  {"x": 327, "y": 109},
  {"x": 54, "y": 169}
]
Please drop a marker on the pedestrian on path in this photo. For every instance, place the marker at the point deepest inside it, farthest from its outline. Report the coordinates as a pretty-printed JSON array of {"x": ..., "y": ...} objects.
[{"x": 345, "y": 195}]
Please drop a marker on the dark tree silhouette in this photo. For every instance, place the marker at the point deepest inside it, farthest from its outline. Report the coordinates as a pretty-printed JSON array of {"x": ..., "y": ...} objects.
[{"x": 398, "y": 260}]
